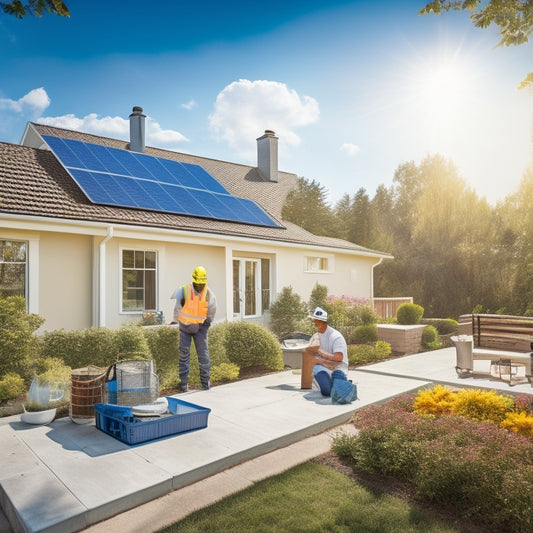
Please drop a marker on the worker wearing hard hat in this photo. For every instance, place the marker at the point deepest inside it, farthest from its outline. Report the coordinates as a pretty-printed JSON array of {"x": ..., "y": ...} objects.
[
  {"x": 331, "y": 354},
  {"x": 194, "y": 310}
]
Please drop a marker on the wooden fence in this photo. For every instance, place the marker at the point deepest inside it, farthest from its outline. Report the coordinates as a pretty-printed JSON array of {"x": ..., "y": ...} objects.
[{"x": 387, "y": 307}]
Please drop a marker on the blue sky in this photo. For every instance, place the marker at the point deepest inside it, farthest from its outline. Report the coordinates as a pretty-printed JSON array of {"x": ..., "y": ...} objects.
[{"x": 351, "y": 88}]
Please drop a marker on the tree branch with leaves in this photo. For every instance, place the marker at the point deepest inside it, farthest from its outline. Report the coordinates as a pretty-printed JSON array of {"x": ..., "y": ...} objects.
[
  {"x": 35, "y": 8},
  {"x": 513, "y": 17}
]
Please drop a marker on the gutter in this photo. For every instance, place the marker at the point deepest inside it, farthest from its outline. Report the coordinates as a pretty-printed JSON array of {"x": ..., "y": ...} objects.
[
  {"x": 101, "y": 281},
  {"x": 372, "y": 281}
]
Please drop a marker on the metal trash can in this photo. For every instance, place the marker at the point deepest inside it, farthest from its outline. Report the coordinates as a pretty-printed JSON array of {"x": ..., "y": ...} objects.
[{"x": 464, "y": 345}]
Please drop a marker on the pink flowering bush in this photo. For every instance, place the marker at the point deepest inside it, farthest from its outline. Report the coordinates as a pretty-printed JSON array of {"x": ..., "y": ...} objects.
[{"x": 345, "y": 313}]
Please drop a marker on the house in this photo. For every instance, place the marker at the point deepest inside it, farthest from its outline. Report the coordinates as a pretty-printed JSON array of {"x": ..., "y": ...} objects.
[{"x": 82, "y": 260}]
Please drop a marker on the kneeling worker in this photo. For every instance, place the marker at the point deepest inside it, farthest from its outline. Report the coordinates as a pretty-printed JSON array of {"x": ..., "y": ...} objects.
[
  {"x": 332, "y": 354},
  {"x": 195, "y": 309}
]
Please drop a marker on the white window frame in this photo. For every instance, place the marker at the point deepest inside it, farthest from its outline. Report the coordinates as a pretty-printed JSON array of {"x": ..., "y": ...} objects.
[
  {"x": 315, "y": 263},
  {"x": 120, "y": 277},
  {"x": 258, "y": 288},
  {"x": 31, "y": 288}
]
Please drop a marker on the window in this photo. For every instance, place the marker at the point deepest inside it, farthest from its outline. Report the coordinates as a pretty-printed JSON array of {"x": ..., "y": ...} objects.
[
  {"x": 316, "y": 264},
  {"x": 139, "y": 275},
  {"x": 13, "y": 268},
  {"x": 251, "y": 287}
]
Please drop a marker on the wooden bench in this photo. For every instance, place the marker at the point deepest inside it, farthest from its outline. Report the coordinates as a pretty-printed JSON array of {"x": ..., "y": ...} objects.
[{"x": 500, "y": 338}]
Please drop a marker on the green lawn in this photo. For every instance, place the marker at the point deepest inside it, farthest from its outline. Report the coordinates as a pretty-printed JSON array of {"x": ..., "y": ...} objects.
[{"x": 310, "y": 498}]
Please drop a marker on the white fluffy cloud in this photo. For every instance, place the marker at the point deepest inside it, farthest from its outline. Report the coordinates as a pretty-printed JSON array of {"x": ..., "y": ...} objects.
[
  {"x": 116, "y": 127},
  {"x": 36, "y": 101},
  {"x": 245, "y": 109},
  {"x": 350, "y": 149}
]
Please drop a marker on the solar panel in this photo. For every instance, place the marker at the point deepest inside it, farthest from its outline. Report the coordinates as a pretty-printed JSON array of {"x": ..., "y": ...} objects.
[{"x": 109, "y": 176}]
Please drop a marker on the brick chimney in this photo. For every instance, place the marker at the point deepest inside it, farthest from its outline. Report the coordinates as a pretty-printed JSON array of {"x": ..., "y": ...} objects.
[
  {"x": 267, "y": 156},
  {"x": 137, "y": 130}
]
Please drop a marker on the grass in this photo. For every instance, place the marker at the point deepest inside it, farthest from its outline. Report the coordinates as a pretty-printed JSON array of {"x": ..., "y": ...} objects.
[{"x": 310, "y": 498}]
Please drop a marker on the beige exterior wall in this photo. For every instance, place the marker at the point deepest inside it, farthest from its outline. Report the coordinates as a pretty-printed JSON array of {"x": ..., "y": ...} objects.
[
  {"x": 65, "y": 280},
  {"x": 176, "y": 261},
  {"x": 65, "y": 268},
  {"x": 350, "y": 275}
]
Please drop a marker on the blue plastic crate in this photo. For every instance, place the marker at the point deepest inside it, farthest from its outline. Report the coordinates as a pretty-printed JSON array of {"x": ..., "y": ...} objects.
[{"x": 119, "y": 422}]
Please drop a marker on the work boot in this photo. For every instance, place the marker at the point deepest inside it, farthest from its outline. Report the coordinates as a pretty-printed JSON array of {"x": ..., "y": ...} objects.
[
  {"x": 206, "y": 386},
  {"x": 183, "y": 387}
]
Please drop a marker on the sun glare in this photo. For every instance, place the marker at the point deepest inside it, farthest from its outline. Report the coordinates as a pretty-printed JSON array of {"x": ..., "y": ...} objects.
[{"x": 442, "y": 89}]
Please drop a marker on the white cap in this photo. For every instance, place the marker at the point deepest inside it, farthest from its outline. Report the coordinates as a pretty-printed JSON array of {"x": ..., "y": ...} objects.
[{"x": 319, "y": 314}]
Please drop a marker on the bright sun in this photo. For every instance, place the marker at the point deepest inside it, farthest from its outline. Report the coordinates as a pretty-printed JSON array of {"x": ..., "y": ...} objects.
[{"x": 443, "y": 89}]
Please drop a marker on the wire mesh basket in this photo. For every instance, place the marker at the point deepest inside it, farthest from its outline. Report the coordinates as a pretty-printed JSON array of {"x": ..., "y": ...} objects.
[
  {"x": 132, "y": 382},
  {"x": 87, "y": 388}
]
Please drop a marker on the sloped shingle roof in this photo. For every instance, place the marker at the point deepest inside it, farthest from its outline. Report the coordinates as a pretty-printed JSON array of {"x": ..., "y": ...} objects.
[{"x": 34, "y": 183}]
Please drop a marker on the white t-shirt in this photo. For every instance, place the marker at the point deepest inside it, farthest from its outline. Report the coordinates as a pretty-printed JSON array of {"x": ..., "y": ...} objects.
[{"x": 332, "y": 341}]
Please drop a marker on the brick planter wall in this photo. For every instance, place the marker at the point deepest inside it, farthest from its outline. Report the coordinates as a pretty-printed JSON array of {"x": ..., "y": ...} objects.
[{"x": 402, "y": 339}]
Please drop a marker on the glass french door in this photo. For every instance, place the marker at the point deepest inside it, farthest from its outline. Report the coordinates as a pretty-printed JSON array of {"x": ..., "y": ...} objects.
[{"x": 250, "y": 287}]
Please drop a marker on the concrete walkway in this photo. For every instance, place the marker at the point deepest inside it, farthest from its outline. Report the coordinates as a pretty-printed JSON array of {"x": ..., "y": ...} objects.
[{"x": 66, "y": 477}]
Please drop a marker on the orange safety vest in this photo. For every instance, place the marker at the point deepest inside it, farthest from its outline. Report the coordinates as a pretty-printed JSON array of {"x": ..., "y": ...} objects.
[{"x": 194, "y": 310}]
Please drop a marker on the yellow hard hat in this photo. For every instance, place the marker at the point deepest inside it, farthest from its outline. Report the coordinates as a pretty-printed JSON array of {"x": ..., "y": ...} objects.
[{"x": 199, "y": 275}]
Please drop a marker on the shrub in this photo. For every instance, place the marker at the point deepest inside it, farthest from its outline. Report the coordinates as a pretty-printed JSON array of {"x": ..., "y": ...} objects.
[
  {"x": 430, "y": 338},
  {"x": 436, "y": 401},
  {"x": 360, "y": 354},
  {"x": 478, "y": 468},
  {"x": 382, "y": 350},
  {"x": 249, "y": 344},
  {"x": 163, "y": 343},
  {"x": 524, "y": 402},
  {"x": 11, "y": 386},
  {"x": 221, "y": 367},
  {"x": 482, "y": 405},
  {"x": 345, "y": 314},
  {"x": 445, "y": 326},
  {"x": 521, "y": 423},
  {"x": 18, "y": 345},
  {"x": 225, "y": 372},
  {"x": 130, "y": 342},
  {"x": 217, "y": 343},
  {"x": 409, "y": 313},
  {"x": 318, "y": 296},
  {"x": 366, "y": 334},
  {"x": 367, "y": 353},
  {"x": 367, "y": 315},
  {"x": 96, "y": 346},
  {"x": 93, "y": 346},
  {"x": 286, "y": 312}
]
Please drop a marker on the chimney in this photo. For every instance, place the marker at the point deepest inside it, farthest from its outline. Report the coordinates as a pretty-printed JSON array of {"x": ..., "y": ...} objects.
[
  {"x": 267, "y": 156},
  {"x": 137, "y": 130}
]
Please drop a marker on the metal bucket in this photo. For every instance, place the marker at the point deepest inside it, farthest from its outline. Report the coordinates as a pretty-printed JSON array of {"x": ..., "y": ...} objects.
[{"x": 87, "y": 389}]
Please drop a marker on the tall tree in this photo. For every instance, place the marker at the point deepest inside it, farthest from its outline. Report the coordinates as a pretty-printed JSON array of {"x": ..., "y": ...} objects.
[
  {"x": 521, "y": 228},
  {"x": 307, "y": 207},
  {"x": 35, "y": 7},
  {"x": 514, "y": 18},
  {"x": 342, "y": 212},
  {"x": 361, "y": 221},
  {"x": 382, "y": 208}
]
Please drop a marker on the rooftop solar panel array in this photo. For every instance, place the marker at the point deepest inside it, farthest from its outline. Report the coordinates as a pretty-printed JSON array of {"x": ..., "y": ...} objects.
[{"x": 110, "y": 176}]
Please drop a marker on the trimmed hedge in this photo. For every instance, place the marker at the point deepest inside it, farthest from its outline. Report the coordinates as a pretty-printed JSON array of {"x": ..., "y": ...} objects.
[
  {"x": 249, "y": 345},
  {"x": 408, "y": 314}
]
